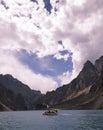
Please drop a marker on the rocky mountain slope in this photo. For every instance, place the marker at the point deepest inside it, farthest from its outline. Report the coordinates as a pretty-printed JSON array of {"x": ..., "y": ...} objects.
[
  {"x": 16, "y": 95},
  {"x": 84, "y": 92}
]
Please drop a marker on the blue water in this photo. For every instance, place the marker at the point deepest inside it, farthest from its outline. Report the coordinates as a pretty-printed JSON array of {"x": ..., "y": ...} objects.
[{"x": 65, "y": 120}]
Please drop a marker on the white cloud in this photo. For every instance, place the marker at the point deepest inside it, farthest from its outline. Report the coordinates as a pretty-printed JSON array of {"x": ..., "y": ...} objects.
[
  {"x": 66, "y": 77},
  {"x": 78, "y": 23},
  {"x": 60, "y": 56}
]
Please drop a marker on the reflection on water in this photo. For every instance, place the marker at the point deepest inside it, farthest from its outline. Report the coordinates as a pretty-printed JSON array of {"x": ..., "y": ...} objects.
[{"x": 65, "y": 120}]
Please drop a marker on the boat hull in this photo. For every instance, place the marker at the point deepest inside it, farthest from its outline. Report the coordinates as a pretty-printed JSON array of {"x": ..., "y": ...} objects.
[{"x": 50, "y": 114}]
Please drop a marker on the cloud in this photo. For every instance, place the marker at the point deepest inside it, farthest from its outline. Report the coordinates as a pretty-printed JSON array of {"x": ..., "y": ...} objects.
[
  {"x": 26, "y": 25},
  {"x": 9, "y": 64},
  {"x": 83, "y": 39},
  {"x": 13, "y": 39},
  {"x": 66, "y": 77}
]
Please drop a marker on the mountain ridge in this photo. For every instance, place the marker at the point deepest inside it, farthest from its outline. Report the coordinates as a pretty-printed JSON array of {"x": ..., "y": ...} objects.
[{"x": 83, "y": 92}]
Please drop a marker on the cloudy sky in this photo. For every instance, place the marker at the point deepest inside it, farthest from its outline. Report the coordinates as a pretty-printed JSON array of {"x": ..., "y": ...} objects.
[{"x": 44, "y": 44}]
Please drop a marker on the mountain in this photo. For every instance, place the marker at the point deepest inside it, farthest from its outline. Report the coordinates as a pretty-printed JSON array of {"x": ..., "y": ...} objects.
[
  {"x": 82, "y": 83},
  {"x": 84, "y": 92},
  {"x": 99, "y": 64},
  {"x": 15, "y": 95}
]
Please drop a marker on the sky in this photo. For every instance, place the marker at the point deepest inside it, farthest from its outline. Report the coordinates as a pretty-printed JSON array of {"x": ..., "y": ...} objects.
[{"x": 45, "y": 44}]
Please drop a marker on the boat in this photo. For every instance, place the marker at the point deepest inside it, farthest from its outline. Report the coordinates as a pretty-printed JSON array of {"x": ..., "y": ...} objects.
[{"x": 51, "y": 112}]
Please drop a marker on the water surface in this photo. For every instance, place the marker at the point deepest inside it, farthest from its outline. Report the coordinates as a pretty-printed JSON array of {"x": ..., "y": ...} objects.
[{"x": 65, "y": 120}]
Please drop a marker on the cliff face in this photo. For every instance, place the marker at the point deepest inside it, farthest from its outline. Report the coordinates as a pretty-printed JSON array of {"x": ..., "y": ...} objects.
[
  {"x": 96, "y": 92},
  {"x": 84, "y": 92},
  {"x": 89, "y": 86},
  {"x": 78, "y": 86},
  {"x": 83, "y": 81},
  {"x": 11, "y": 101},
  {"x": 16, "y": 95},
  {"x": 94, "y": 99}
]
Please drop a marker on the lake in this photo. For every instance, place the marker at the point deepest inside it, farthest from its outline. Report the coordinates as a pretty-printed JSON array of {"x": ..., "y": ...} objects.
[{"x": 65, "y": 120}]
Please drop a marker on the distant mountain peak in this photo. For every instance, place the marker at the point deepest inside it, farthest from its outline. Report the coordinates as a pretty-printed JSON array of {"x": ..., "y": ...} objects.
[
  {"x": 8, "y": 75},
  {"x": 88, "y": 63}
]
